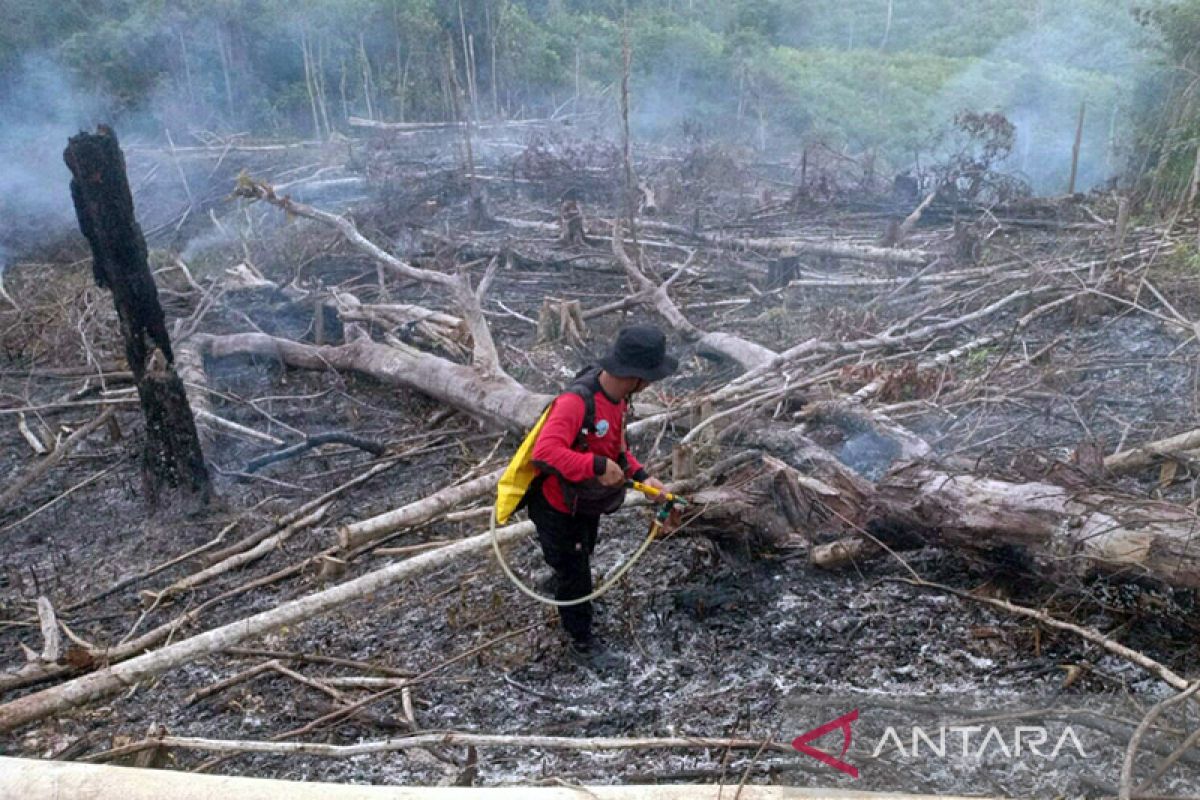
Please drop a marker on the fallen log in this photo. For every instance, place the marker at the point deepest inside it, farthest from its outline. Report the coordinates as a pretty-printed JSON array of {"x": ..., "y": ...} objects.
[
  {"x": 29, "y": 779},
  {"x": 117, "y": 677},
  {"x": 1147, "y": 454},
  {"x": 795, "y": 246},
  {"x": 1042, "y": 529},
  {"x": 359, "y": 533},
  {"x": 497, "y": 399},
  {"x": 1035, "y": 529},
  {"x": 777, "y": 246},
  {"x": 379, "y": 125},
  {"x": 766, "y": 504}
]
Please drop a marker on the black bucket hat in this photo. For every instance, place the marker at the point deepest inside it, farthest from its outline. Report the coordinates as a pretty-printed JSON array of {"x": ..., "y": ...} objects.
[{"x": 640, "y": 352}]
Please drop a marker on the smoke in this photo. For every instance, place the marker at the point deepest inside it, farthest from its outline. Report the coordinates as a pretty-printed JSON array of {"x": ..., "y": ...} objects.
[
  {"x": 897, "y": 101},
  {"x": 1040, "y": 77},
  {"x": 41, "y": 108}
]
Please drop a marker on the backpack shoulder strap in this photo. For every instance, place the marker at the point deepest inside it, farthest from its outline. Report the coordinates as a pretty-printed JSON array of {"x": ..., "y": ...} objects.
[{"x": 585, "y": 385}]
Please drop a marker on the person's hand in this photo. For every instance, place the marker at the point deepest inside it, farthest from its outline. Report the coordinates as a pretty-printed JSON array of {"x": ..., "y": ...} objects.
[
  {"x": 655, "y": 483},
  {"x": 613, "y": 474}
]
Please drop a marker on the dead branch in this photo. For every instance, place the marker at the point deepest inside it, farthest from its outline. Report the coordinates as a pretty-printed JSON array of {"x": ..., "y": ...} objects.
[
  {"x": 233, "y": 680},
  {"x": 1147, "y": 454},
  {"x": 741, "y": 351},
  {"x": 35, "y": 442},
  {"x": 245, "y": 557},
  {"x": 1155, "y": 668},
  {"x": 416, "y": 513},
  {"x": 441, "y": 329},
  {"x": 910, "y": 222},
  {"x": 450, "y": 738},
  {"x": 297, "y": 513},
  {"x": 39, "y": 469},
  {"x": 1127, "y": 765},
  {"x": 486, "y": 360},
  {"x": 316, "y": 440},
  {"x": 872, "y": 388},
  {"x": 114, "y": 678},
  {"x": 886, "y": 340}
]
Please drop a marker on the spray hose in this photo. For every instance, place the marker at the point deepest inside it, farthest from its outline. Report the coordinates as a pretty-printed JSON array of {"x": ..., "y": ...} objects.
[{"x": 656, "y": 526}]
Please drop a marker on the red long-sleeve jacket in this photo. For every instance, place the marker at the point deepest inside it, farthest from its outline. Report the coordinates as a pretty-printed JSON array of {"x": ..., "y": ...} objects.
[{"x": 555, "y": 454}]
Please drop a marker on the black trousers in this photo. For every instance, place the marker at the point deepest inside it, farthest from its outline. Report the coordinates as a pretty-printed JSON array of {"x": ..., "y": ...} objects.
[{"x": 567, "y": 543}]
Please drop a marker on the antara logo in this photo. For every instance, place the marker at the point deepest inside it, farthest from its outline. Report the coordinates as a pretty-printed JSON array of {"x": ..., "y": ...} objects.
[
  {"x": 1025, "y": 739},
  {"x": 842, "y": 722}
]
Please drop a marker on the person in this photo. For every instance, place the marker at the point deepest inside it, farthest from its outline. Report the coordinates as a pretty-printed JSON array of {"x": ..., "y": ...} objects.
[{"x": 582, "y": 472}]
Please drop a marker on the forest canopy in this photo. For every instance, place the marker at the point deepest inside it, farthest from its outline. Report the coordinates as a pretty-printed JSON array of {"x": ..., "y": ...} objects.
[{"x": 873, "y": 76}]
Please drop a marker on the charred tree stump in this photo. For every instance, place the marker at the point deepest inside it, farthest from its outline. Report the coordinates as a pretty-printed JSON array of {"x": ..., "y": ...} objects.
[
  {"x": 104, "y": 207},
  {"x": 754, "y": 502},
  {"x": 968, "y": 247},
  {"x": 570, "y": 220},
  {"x": 560, "y": 320},
  {"x": 781, "y": 270}
]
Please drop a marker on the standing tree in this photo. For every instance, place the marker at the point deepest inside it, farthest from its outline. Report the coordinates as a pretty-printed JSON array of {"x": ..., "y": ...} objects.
[{"x": 104, "y": 208}]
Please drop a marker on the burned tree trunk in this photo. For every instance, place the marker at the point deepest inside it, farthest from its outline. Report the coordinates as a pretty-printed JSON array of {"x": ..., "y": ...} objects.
[
  {"x": 755, "y": 502},
  {"x": 104, "y": 207},
  {"x": 1043, "y": 529},
  {"x": 570, "y": 220}
]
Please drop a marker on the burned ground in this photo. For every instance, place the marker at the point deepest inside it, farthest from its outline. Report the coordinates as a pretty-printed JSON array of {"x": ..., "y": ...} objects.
[{"x": 720, "y": 641}]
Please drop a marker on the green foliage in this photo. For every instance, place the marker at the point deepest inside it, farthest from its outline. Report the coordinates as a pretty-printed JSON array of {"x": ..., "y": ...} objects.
[
  {"x": 125, "y": 58},
  {"x": 1168, "y": 103},
  {"x": 842, "y": 71},
  {"x": 1183, "y": 261}
]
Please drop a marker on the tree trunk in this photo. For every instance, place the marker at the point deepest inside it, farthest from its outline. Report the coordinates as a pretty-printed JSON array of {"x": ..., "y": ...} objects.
[
  {"x": 762, "y": 503},
  {"x": 499, "y": 400},
  {"x": 172, "y": 457},
  {"x": 104, "y": 206},
  {"x": 1043, "y": 529},
  {"x": 1075, "y": 150},
  {"x": 1038, "y": 529}
]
